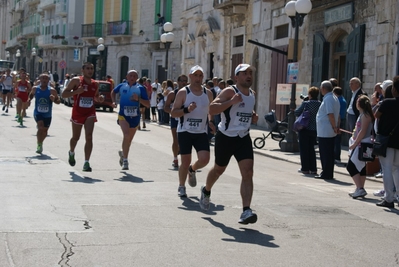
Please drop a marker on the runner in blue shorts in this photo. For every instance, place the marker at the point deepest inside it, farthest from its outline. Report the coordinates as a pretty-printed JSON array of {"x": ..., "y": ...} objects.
[{"x": 132, "y": 94}]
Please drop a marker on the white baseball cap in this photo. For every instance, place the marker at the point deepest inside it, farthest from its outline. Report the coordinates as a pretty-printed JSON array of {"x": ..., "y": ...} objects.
[
  {"x": 385, "y": 84},
  {"x": 130, "y": 71},
  {"x": 243, "y": 67},
  {"x": 195, "y": 68}
]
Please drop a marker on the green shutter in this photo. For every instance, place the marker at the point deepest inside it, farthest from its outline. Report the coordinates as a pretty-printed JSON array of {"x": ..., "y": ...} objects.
[
  {"x": 126, "y": 10},
  {"x": 98, "y": 31},
  {"x": 168, "y": 11}
]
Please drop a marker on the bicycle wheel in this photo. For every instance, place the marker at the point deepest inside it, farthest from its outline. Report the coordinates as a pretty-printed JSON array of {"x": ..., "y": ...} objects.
[{"x": 259, "y": 142}]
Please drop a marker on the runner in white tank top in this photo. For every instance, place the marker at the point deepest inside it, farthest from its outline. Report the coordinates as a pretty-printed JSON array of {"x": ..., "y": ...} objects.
[
  {"x": 236, "y": 105},
  {"x": 196, "y": 120},
  {"x": 191, "y": 105},
  {"x": 236, "y": 120}
]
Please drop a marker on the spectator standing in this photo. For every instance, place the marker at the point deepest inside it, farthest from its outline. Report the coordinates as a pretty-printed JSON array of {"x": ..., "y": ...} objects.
[
  {"x": 157, "y": 85},
  {"x": 361, "y": 134},
  {"x": 342, "y": 114},
  {"x": 352, "y": 111},
  {"x": 327, "y": 122},
  {"x": 307, "y": 136},
  {"x": 390, "y": 163}
]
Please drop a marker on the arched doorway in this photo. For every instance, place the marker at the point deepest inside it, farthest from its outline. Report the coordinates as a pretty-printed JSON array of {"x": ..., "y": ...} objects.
[{"x": 124, "y": 68}]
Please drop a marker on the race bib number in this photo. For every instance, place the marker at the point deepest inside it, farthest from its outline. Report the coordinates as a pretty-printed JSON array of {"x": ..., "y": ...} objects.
[
  {"x": 21, "y": 89},
  {"x": 43, "y": 108},
  {"x": 130, "y": 111},
  {"x": 243, "y": 119},
  {"x": 86, "y": 102},
  {"x": 192, "y": 124}
]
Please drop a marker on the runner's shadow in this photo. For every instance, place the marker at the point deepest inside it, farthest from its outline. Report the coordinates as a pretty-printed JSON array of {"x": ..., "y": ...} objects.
[
  {"x": 79, "y": 179},
  {"x": 127, "y": 177},
  {"x": 249, "y": 236},
  {"x": 191, "y": 205}
]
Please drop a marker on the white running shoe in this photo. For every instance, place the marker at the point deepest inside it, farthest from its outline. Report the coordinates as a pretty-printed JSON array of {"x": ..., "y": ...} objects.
[
  {"x": 248, "y": 217},
  {"x": 125, "y": 165},
  {"x": 181, "y": 191},
  {"x": 379, "y": 193},
  {"x": 359, "y": 193},
  {"x": 205, "y": 200}
]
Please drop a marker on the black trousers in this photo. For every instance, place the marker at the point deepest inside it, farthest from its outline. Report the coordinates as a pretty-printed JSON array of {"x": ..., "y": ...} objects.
[{"x": 326, "y": 151}]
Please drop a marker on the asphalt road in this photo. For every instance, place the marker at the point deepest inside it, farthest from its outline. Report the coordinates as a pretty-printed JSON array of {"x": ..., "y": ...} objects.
[{"x": 53, "y": 214}]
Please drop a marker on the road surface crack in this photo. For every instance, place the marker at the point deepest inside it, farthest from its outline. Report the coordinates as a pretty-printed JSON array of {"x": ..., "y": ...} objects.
[{"x": 65, "y": 257}]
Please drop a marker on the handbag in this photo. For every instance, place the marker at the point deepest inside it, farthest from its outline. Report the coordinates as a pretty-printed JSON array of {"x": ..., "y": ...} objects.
[
  {"x": 381, "y": 143},
  {"x": 366, "y": 152},
  {"x": 302, "y": 121}
]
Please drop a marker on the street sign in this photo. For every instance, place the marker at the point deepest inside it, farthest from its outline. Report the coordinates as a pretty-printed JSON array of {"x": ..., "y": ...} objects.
[
  {"x": 283, "y": 95},
  {"x": 62, "y": 64},
  {"x": 292, "y": 72}
]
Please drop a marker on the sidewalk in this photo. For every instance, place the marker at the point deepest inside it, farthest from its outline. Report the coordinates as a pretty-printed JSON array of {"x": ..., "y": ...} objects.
[{"x": 272, "y": 149}]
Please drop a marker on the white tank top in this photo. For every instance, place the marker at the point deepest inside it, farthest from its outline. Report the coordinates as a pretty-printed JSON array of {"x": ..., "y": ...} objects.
[
  {"x": 7, "y": 83},
  {"x": 236, "y": 120},
  {"x": 197, "y": 120}
]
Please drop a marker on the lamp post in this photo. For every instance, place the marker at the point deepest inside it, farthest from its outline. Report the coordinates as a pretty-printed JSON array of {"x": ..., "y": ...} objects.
[
  {"x": 33, "y": 54},
  {"x": 100, "y": 49},
  {"x": 7, "y": 55},
  {"x": 167, "y": 38},
  {"x": 18, "y": 55},
  {"x": 296, "y": 10}
]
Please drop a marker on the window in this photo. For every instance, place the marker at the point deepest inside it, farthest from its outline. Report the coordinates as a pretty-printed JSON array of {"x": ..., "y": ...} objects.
[
  {"x": 238, "y": 41},
  {"x": 281, "y": 32}
]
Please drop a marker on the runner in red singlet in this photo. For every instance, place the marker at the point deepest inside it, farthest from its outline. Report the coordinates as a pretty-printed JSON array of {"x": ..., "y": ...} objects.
[
  {"x": 22, "y": 90},
  {"x": 84, "y": 91}
]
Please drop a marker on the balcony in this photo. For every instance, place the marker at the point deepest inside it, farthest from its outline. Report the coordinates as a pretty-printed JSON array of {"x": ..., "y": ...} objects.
[
  {"x": 119, "y": 28},
  {"x": 61, "y": 9},
  {"x": 46, "y": 4},
  {"x": 31, "y": 30},
  {"x": 32, "y": 2},
  {"x": 235, "y": 5},
  {"x": 92, "y": 31}
]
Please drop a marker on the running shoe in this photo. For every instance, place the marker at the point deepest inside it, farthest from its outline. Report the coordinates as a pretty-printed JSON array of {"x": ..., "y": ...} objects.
[
  {"x": 71, "y": 159},
  {"x": 39, "y": 149},
  {"x": 120, "y": 153},
  {"x": 248, "y": 217},
  {"x": 125, "y": 165},
  {"x": 379, "y": 193},
  {"x": 7, "y": 110},
  {"x": 205, "y": 200},
  {"x": 86, "y": 167},
  {"x": 192, "y": 179},
  {"x": 175, "y": 163},
  {"x": 11, "y": 105},
  {"x": 4, "y": 107},
  {"x": 20, "y": 120},
  {"x": 359, "y": 193},
  {"x": 379, "y": 175},
  {"x": 181, "y": 191}
]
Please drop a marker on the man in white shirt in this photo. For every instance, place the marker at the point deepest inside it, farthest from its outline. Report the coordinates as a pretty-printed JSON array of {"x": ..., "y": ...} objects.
[{"x": 157, "y": 85}]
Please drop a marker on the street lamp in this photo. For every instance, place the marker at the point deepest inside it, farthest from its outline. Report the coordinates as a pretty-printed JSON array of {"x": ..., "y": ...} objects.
[
  {"x": 33, "y": 62},
  {"x": 296, "y": 10},
  {"x": 18, "y": 55},
  {"x": 7, "y": 55},
  {"x": 100, "y": 49},
  {"x": 167, "y": 38}
]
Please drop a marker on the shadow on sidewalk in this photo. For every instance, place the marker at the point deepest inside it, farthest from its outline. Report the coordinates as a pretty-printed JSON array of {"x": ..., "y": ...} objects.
[{"x": 244, "y": 235}]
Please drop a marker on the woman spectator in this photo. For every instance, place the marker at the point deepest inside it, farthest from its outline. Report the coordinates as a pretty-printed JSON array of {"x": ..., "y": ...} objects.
[
  {"x": 308, "y": 135},
  {"x": 361, "y": 133},
  {"x": 388, "y": 122}
]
